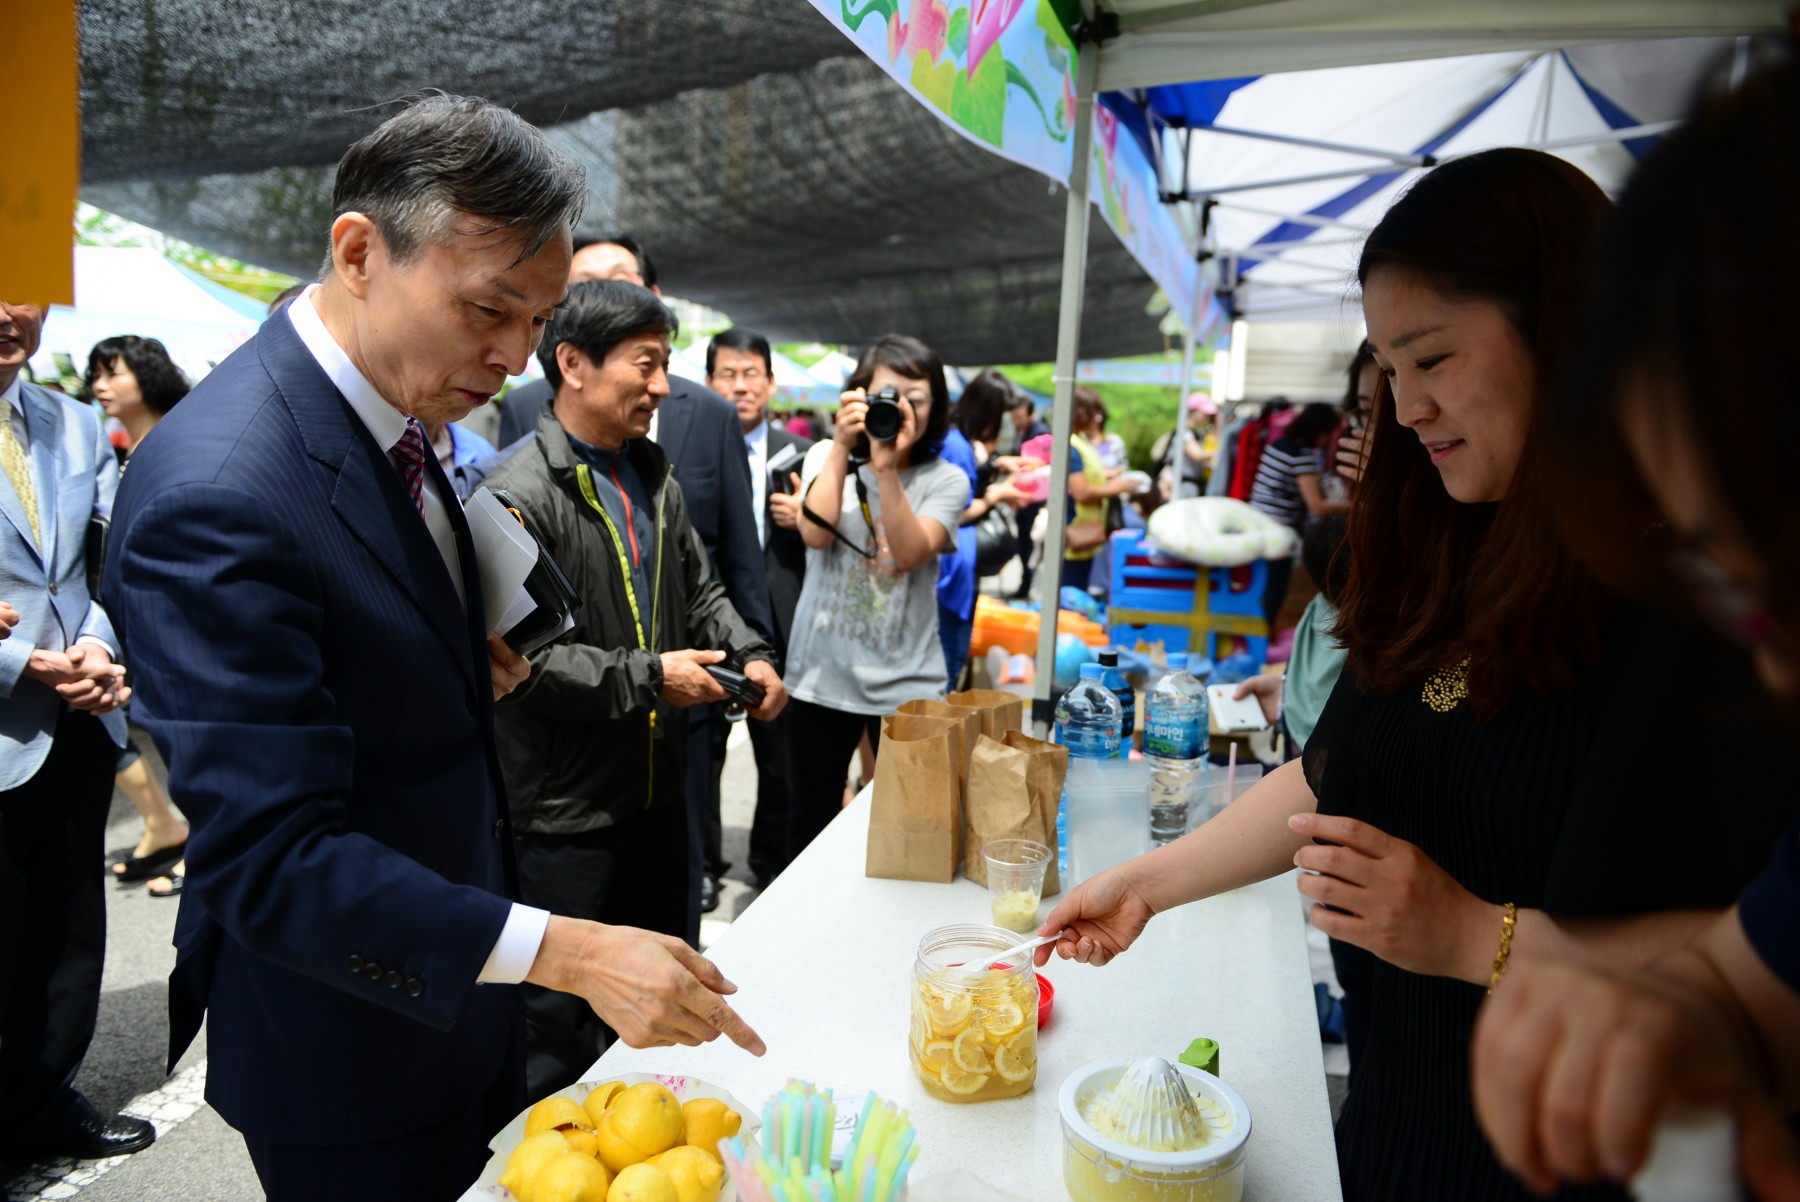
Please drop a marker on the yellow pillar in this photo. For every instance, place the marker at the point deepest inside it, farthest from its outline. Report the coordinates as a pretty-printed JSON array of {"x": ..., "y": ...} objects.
[{"x": 40, "y": 168}]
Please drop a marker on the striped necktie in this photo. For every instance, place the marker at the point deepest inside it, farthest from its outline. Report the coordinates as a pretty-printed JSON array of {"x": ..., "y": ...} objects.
[
  {"x": 18, "y": 469},
  {"x": 411, "y": 451}
]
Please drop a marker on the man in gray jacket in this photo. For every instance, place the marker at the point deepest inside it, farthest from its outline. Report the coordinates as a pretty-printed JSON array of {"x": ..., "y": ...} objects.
[{"x": 595, "y": 768}]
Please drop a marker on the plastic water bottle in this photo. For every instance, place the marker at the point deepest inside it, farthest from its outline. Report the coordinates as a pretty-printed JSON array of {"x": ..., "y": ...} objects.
[
  {"x": 1088, "y": 721},
  {"x": 1121, "y": 688},
  {"x": 1176, "y": 733}
]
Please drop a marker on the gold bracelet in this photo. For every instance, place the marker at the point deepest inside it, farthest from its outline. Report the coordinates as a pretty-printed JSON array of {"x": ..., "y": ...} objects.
[{"x": 1507, "y": 921}]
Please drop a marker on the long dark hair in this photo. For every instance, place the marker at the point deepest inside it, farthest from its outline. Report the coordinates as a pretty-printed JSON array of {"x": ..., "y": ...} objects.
[
  {"x": 1434, "y": 580},
  {"x": 982, "y": 408},
  {"x": 916, "y": 361},
  {"x": 1691, "y": 326}
]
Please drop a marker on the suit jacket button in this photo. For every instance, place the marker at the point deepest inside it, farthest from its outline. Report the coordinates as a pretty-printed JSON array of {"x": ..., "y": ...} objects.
[
  {"x": 354, "y": 963},
  {"x": 53, "y": 588},
  {"x": 392, "y": 980},
  {"x": 414, "y": 987},
  {"x": 372, "y": 970},
  {"x": 499, "y": 827}
]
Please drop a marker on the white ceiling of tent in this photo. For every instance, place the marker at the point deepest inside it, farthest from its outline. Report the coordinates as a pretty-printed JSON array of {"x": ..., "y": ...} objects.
[
  {"x": 1180, "y": 41},
  {"x": 1398, "y": 108}
]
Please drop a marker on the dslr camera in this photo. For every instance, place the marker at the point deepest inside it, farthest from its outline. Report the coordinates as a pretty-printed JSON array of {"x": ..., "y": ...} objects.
[{"x": 884, "y": 420}]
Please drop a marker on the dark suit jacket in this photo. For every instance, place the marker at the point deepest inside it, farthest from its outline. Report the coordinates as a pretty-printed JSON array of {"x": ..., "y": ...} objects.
[
  {"x": 784, "y": 551},
  {"x": 324, "y": 706},
  {"x": 699, "y": 431}
]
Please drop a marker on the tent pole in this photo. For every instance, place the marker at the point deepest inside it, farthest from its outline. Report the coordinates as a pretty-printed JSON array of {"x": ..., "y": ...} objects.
[
  {"x": 1068, "y": 351},
  {"x": 1178, "y": 443}
]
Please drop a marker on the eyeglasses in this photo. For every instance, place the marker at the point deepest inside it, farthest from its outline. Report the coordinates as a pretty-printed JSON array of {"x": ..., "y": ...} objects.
[
  {"x": 750, "y": 375},
  {"x": 1735, "y": 608}
]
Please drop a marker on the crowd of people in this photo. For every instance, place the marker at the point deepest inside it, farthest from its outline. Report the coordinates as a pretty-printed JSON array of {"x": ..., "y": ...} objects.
[{"x": 1545, "y": 935}]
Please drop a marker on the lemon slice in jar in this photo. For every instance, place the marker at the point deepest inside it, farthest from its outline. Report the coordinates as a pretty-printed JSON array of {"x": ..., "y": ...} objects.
[
  {"x": 935, "y": 1055},
  {"x": 968, "y": 1052},
  {"x": 959, "y": 1082},
  {"x": 1011, "y": 1063},
  {"x": 1003, "y": 1018},
  {"x": 948, "y": 1014}
]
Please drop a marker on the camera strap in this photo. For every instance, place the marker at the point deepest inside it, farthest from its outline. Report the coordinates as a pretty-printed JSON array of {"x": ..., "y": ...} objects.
[{"x": 862, "y": 497}]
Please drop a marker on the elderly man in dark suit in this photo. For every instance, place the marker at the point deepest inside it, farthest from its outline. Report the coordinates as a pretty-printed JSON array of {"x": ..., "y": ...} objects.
[
  {"x": 740, "y": 366},
  {"x": 60, "y": 731},
  {"x": 289, "y": 565},
  {"x": 696, "y": 429}
]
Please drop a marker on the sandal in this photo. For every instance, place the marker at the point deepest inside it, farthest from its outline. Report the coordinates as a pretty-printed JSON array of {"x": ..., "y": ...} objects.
[
  {"x": 142, "y": 868},
  {"x": 172, "y": 884}
]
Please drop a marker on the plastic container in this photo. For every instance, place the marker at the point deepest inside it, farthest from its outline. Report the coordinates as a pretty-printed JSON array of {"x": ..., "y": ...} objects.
[
  {"x": 1015, "y": 874},
  {"x": 1121, "y": 688},
  {"x": 1108, "y": 810},
  {"x": 974, "y": 1034},
  {"x": 1088, "y": 722},
  {"x": 1176, "y": 734},
  {"x": 1098, "y": 1169}
]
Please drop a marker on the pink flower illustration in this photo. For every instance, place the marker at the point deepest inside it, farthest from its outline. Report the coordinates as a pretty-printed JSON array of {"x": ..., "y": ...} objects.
[
  {"x": 896, "y": 37},
  {"x": 990, "y": 21},
  {"x": 929, "y": 29}
]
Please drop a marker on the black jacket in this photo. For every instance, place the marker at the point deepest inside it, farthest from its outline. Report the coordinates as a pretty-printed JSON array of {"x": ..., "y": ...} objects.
[
  {"x": 784, "y": 551},
  {"x": 699, "y": 431},
  {"x": 588, "y": 737}
]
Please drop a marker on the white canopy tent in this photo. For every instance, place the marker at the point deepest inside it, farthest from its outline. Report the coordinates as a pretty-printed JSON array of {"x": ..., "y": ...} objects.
[
  {"x": 136, "y": 290},
  {"x": 1335, "y": 106}
]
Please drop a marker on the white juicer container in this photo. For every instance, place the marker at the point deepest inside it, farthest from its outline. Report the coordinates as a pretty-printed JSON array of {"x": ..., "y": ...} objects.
[{"x": 1099, "y": 1169}]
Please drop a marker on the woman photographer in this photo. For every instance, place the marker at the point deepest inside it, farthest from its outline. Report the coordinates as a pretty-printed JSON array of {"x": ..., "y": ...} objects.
[{"x": 877, "y": 513}]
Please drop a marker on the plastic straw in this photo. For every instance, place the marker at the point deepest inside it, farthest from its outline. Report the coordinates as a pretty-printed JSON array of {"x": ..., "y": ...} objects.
[{"x": 1231, "y": 774}]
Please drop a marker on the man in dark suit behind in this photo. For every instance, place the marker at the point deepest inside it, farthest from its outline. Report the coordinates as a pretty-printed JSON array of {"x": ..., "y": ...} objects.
[
  {"x": 292, "y": 573},
  {"x": 697, "y": 430},
  {"x": 741, "y": 368}
]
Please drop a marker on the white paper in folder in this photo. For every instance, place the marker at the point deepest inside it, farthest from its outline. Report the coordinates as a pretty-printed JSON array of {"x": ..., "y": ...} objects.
[{"x": 506, "y": 553}]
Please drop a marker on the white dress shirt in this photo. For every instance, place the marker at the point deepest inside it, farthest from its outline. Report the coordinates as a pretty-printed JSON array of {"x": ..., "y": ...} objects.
[
  {"x": 520, "y": 938},
  {"x": 757, "y": 444}
]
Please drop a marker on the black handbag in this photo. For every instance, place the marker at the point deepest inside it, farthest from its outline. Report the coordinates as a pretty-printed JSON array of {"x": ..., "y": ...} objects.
[{"x": 995, "y": 543}]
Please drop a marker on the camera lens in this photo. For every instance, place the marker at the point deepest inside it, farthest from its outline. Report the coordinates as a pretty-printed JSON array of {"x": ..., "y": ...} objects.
[{"x": 884, "y": 420}]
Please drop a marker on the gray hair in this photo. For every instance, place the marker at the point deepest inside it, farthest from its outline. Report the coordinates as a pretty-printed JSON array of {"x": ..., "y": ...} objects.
[{"x": 446, "y": 158}]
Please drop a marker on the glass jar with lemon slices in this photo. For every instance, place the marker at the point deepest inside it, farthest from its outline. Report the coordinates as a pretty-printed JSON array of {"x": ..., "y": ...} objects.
[{"x": 974, "y": 1027}]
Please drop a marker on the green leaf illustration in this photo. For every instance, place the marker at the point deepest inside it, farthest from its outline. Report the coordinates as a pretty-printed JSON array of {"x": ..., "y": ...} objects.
[
  {"x": 978, "y": 104},
  {"x": 959, "y": 33},
  {"x": 936, "y": 84}
]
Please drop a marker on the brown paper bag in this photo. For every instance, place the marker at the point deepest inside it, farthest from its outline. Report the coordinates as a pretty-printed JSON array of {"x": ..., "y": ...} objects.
[
  {"x": 915, "y": 815},
  {"x": 1001, "y": 711},
  {"x": 968, "y": 728},
  {"x": 1015, "y": 786}
]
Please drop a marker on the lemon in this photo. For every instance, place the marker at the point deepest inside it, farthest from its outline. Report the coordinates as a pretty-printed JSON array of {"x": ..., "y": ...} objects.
[
  {"x": 599, "y": 1098},
  {"x": 957, "y": 1081},
  {"x": 706, "y": 1121},
  {"x": 948, "y": 1013},
  {"x": 528, "y": 1160},
  {"x": 1013, "y": 1063},
  {"x": 696, "y": 1175},
  {"x": 554, "y": 1112},
  {"x": 935, "y": 1055},
  {"x": 642, "y": 1183},
  {"x": 582, "y": 1140},
  {"x": 642, "y": 1121},
  {"x": 1003, "y": 1018},
  {"x": 570, "y": 1178},
  {"x": 968, "y": 1052}
]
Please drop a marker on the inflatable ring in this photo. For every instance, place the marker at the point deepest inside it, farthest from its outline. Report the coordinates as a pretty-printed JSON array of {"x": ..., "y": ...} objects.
[{"x": 1220, "y": 532}]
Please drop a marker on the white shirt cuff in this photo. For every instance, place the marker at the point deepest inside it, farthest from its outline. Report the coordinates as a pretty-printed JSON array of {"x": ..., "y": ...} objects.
[
  {"x": 517, "y": 948},
  {"x": 97, "y": 641}
]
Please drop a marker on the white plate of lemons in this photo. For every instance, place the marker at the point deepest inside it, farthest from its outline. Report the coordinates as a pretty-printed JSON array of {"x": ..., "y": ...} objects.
[{"x": 630, "y": 1138}]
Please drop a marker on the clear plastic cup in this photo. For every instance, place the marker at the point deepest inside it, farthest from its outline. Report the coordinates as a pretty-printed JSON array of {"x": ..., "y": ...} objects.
[{"x": 1015, "y": 872}]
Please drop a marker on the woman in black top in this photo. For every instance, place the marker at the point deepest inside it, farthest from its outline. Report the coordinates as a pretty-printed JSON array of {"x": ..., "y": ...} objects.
[
  {"x": 1491, "y": 776},
  {"x": 1686, "y": 362}
]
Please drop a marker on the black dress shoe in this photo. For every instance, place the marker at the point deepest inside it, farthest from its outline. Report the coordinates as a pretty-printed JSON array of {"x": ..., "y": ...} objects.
[
  {"x": 709, "y": 894},
  {"x": 85, "y": 1136}
]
